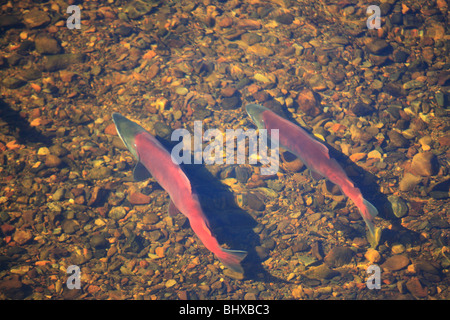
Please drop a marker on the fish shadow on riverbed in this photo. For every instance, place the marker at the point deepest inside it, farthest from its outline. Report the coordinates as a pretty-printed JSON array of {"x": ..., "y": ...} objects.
[
  {"x": 19, "y": 127},
  {"x": 230, "y": 224}
]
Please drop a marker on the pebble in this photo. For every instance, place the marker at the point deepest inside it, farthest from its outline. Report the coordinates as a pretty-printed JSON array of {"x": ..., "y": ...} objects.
[
  {"x": 182, "y": 91},
  {"x": 136, "y": 9},
  {"x": 228, "y": 92},
  {"x": 99, "y": 173},
  {"x": 339, "y": 256},
  {"x": 117, "y": 213},
  {"x": 301, "y": 245},
  {"x": 275, "y": 185},
  {"x": 111, "y": 129},
  {"x": 409, "y": 182},
  {"x": 233, "y": 274},
  {"x": 284, "y": 18},
  {"x": 66, "y": 76},
  {"x": 359, "y": 242},
  {"x": 374, "y": 154},
  {"x": 21, "y": 270},
  {"x": 43, "y": 151},
  {"x": 290, "y": 162},
  {"x": 415, "y": 287},
  {"x": 397, "y": 139},
  {"x": 262, "y": 252},
  {"x": 400, "y": 56},
  {"x": 170, "y": 283},
  {"x": 398, "y": 206},
  {"x": 372, "y": 255},
  {"x": 52, "y": 161},
  {"x": 22, "y": 236},
  {"x": 13, "y": 82},
  {"x": 47, "y": 45},
  {"x": 321, "y": 272},
  {"x": 251, "y": 38},
  {"x": 395, "y": 263},
  {"x": 159, "y": 251},
  {"x": 162, "y": 130},
  {"x": 150, "y": 218},
  {"x": 225, "y": 22},
  {"x": 231, "y": 103},
  {"x": 36, "y": 18},
  {"x": 317, "y": 83},
  {"x": 361, "y": 109},
  {"x": 426, "y": 142},
  {"x": 260, "y": 50},
  {"x": 355, "y": 157},
  {"x": 254, "y": 202},
  {"x": 397, "y": 248},
  {"x": 58, "y": 150},
  {"x": 377, "y": 46},
  {"x": 248, "y": 24},
  {"x": 307, "y": 102},
  {"x": 250, "y": 296},
  {"x": 314, "y": 217},
  {"x": 424, "y": 164},
  {"x": 59, "y": 194},
  {"x": 413, "y": 84},
  {"x": 70, "y": 226},
  {"x": 436, "y": 30},
  {"x": 98, "y": 241},
  {"x": 155, "y": 235},
  {"x": 138, "y": 198},
  {"x": 61, "y": 61},
  {"x": 261, "y": 78},
  {"x": 13, "y": 288},
  {"x": 243, "y": 174}
]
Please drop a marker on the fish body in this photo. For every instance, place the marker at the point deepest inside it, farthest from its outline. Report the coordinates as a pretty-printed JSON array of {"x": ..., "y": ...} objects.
[
  {"x": 314, "y": 155},
  {"x": 154, "y": 159}
]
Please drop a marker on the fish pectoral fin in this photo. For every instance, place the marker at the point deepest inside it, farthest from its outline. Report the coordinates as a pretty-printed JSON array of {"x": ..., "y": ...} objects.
[
  {"x": 173, "y": 210},
  {"x": 370, "y": 208},
  {"x": 207, "y": 228},
  {"x": 140, "y": 172},
  {"x": 316, "y": 176}
]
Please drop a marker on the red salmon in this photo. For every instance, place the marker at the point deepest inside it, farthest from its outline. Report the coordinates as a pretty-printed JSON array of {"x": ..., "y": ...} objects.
[
  {"x": 154, "y": 159},
  {"x": 314, "y": 155}
]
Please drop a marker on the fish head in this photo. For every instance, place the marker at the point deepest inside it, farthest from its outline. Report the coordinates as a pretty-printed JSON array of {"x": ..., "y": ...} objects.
[
  {"x": 127, "y": 131},
  {"x": 255, "y": 112}
]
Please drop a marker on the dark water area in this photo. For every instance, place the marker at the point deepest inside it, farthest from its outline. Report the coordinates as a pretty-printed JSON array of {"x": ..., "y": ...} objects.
[{"x": 74, "y": 224}]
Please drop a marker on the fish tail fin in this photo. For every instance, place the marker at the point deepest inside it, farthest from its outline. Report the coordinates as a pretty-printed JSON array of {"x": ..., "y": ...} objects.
[
  {"x": 368, "y": 213},
  {"x": 371, "y": 208},
  {"x": 232, "y": 259}
]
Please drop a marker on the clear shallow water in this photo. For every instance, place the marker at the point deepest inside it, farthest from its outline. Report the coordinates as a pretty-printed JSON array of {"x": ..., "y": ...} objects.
[{"x": 378, "y": 98}]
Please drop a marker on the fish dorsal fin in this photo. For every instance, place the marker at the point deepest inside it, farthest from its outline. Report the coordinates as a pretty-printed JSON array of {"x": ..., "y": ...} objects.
[
  {"x": 324, "y": 149},
  {"x": 173, "y": 210},
  {"x": 315, "y": 175},
  {"x": 186, "y": 180},
  {"x": 206, "y": 227},
  {"x": 140, "y": 172}
]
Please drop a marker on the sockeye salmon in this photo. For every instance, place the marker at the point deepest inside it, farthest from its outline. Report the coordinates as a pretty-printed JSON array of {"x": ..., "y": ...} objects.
[
  {"x": 314, "y": 155},
  {"x": 153, "y": 159}
]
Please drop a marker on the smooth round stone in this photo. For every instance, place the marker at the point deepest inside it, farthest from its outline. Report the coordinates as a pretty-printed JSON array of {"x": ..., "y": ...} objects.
[{"x": 182, "y": 91}]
